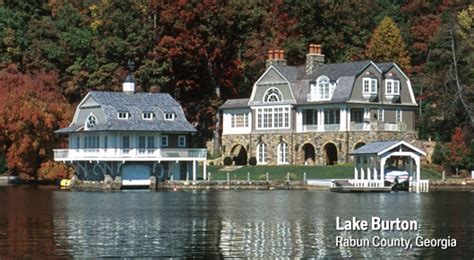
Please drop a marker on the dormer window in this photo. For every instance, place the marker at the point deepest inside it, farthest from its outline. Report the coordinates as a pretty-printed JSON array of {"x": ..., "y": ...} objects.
[
  {"x": 392, "y": 88},
  {"x": 91, "y": 122},
  {"x": 169, "y": 116},
  {"x": 123, "y": 115},
  {"x": 272, "y": 95},
  {"x": 369, "y": 88},
  {"x": 148, "y": 115},
  {"x": 322, "y": 90}
]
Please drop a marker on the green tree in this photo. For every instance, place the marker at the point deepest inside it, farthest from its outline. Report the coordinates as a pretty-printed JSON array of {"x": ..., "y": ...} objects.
[{"x": 388, "y": 45}]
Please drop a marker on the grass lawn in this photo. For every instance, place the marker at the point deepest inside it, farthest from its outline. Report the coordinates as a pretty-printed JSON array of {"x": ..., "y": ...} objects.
[{"x": 296, "y": 172}]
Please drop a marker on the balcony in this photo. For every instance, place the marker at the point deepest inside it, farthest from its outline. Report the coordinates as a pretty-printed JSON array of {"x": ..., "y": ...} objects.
[
  {"x": 135, "y": 154},
  {"x": 331, "y": 127},
  {"x": 310, "y": 128}
]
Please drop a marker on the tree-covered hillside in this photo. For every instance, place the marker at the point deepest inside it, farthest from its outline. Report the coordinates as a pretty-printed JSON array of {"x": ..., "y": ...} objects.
[{"x": 204, "y": 52}]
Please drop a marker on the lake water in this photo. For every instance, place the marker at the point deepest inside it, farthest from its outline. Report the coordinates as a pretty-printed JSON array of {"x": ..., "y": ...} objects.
[{"x": 45, "y": 222}]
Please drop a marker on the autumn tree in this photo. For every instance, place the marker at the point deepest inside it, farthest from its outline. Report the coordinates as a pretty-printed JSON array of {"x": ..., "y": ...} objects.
[
  {"x": 458, "y": 151},
  {"x": 31, "y": 109},
  {"x": 388, "y": 45}
]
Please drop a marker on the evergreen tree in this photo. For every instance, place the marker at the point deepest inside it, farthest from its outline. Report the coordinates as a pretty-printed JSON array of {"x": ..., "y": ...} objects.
[{"x": 387, "y": 44}]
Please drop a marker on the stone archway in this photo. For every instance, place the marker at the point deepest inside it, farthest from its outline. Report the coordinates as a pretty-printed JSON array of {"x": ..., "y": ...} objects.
[
  {"x": 330, "y": 151},
  {"x": 358, "y": 145},
  {"x": 309, "y": 154},
  {"x": 239, "y": 154}
]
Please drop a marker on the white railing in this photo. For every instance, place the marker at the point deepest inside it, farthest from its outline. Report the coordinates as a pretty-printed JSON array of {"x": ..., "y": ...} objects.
[
  {"x": 331, "y": 127},
  {"x": 420, "y": 186},
  {"x": 367, "y": 183},
  {"x": 357, "y": 126},
  {"x": 309, "y": 128},
  {"x": 132, "y": 153}
]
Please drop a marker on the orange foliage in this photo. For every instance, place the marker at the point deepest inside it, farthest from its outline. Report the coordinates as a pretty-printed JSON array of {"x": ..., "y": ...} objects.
[
  {"x": 54, "y": 171},
  {"x": 458, "y": 150},
  {"x": 31, "y": 108}
]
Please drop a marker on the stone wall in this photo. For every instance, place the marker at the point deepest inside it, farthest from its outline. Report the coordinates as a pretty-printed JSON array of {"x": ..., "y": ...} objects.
[{"x": 344, "y": 142}]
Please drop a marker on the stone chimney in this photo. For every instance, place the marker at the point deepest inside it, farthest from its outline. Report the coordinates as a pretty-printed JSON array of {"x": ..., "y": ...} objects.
[
  {"x": 275, "y": 57},
  {"x": 314, "y": 58},
  {"x": 128, "y": 86}
]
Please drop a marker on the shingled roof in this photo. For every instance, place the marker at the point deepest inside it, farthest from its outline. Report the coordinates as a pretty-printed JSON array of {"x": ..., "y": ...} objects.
[{"x": 158, "y": 103}]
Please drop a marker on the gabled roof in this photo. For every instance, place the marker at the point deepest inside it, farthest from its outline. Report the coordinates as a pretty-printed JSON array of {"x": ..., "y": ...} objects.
[
  {"x": 381, "y": 147},
  {"x": 291, "y": 73},
  {"x": 135, "y": 103}
]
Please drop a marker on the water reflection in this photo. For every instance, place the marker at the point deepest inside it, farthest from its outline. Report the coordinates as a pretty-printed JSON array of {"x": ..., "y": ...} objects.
[{"x": 47, "y": 222}]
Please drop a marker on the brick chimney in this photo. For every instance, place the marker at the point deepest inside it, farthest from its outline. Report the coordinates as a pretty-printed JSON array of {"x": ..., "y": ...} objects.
[
  {"x": 314, "y": 58},
  {"x": 275, "y": 57}
]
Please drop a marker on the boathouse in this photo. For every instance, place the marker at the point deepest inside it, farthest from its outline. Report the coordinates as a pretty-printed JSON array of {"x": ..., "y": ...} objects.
[
  {"x": 132, "y": 137},
  {"x": 376, "y": 162}
]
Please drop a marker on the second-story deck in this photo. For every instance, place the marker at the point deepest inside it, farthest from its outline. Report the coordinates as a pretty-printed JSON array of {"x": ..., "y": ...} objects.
[{"x": 130, "y": 154}]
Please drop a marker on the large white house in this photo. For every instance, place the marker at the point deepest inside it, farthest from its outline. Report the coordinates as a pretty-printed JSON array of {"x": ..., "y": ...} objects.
[
  {"x": 318, "y": 113},
  {"x": 131, "y": 135}
]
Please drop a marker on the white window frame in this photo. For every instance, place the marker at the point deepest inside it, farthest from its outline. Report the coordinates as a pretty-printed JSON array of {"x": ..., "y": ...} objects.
[
  {"x": 273, "y": 117},
  {"x": 381, "y": 115},
  {"x": 233, "y": 119},
  {"x": 169, "y": 116},
  {"x": 324, "y": 88},
  {"x": 398, "y": 115},
  {"x": 272, "y": 95},
  {"x": 371, "y": 84},
  {"x": 164, "y": 141},
  {"x": 394, "y": 87},
  {"x": 261, "y": 153},
  {"x": 181, "y": 141},
  {"x": 123, "y": 115},
  {"x": 148, "y": 115},
  {"x": 282, "y": 153},
  {"x": 91, "y": 121}
]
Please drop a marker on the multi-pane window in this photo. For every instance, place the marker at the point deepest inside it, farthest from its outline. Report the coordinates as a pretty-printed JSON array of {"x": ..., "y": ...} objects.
[
  {"x": 164, "y": 141},
  {"x": 123, "y": 115},
  {"x": 357, "y": 115},
  {"x": 169, "y": 116},
  {"x": 380, "y": 114},
  {"x": 261, "y": 152},
  {"x": 392, "y": 87},
  {"x": 181, "y": 141},
  {"x": 369, "y": 85},
  {"x": 148, "y": 115},
  {"x": 272, "y": 95},
  {"x": 150, "y": 142},
  {"x": 398, "y": 115},
  {"x": 332, "y": 116},
  {"x": 91, "y": 121},
  {"x": 282, "y": 153},
  {"x": 310, "y": 117},
  {"x": 273, "y": 117},
  {"x": 106, "y": 141},
  {"x": 141, "y": 142},
  {"x": 126, "y": 141},
  {"x": 91, "y": 141},
  {"x": 324, "y": 89},
  {"x": 240, "y": 120}
]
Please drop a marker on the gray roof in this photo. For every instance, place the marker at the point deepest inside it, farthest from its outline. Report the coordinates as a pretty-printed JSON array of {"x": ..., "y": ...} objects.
[
  {"x": 291, "y": 73},
  {"x": 235, "y": 103},
  {"x": 374, "y": 147},
  {"x": 343, "y": 73},
  {"x": 158, "y": 103},
  {"x": 337, "y": 70}
]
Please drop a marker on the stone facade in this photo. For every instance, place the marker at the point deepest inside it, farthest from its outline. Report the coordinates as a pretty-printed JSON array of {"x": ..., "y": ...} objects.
[{"x": 300, "y": 145}]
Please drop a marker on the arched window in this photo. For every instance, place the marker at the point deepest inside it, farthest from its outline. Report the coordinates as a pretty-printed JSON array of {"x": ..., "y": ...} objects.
[
  {"x": 282, "y": 153},
  {"x": 324, "y": 88},
  {"x": 261, "y": 153},
  {"x": 91, "y": 121},
  {"x": 272, "y": 95}
]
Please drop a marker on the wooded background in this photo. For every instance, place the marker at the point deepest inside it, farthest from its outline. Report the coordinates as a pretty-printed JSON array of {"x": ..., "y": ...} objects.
[{"x": 204, "y": 52}]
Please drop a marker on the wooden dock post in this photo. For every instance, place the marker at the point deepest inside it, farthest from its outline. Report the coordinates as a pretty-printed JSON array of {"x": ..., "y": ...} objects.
[
  {"x": 227, "y": 177},
  {"x": 304, "y": 176},
  {"x": 267, "y": 177}
]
